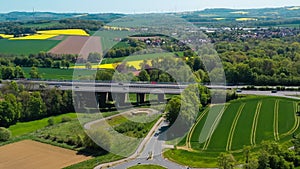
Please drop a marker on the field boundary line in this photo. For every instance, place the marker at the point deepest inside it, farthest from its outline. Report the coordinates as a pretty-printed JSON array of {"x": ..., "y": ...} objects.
[
  {"x": 275, "y": 122},
  {"x": 213, "y": 127},
  {"x": 189, "y": 136},
  {"x": 233, "y": 126},
  {"x": 297, "y": 121},
  {"x": 254, "y": 124}
]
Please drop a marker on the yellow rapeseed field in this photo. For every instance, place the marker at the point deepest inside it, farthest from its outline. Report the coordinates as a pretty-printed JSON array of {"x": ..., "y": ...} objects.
[
  {"x": 34, "y": 37},
  {"x": 104, "y": 66},
  {"x": 219, "y": 19},
  {"x": 42, "y": 35},
  {"x": 240, "y": 12},
  {"x": 6, "y": 36},
  {"x": 135, "y": 64},
  {"x": 78, "y": 32},
  {"x": 246, "y": 19}
]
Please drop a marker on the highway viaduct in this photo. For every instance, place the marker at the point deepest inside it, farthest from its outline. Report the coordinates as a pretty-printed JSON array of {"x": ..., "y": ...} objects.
[{"x": 100, "y": 93}]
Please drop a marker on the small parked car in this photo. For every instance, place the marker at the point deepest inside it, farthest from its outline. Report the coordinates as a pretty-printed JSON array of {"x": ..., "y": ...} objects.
[{"x": 57, "y": 86}]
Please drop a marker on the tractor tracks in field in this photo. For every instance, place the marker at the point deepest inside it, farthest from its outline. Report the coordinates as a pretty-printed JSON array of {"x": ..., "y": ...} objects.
[
  {"x": 254, "y": 124},
  {"x": 297, "y": 120},
  {"x": 233, "y": 126},
  {"x": 213, "y": 127},
  {"x": 189, "y": 136},
  {"x": 275, "y": 123}
]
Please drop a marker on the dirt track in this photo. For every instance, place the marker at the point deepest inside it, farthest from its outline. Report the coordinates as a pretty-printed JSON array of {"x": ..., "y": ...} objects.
[
  {"x": 82, "y": 45},
  {"x": 30, "y": 154}
]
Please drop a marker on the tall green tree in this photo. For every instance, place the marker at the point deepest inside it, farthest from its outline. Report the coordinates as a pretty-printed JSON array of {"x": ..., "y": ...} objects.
[
  {"x": 94, "y": 57},
  {"x": 144, "y": 76},
  {"x": 173, "y": 109},
  {"x": 53, "y": 100},
  {"x": 7, "y": 72},
  {"x": 226, "y": 161},
  {"x": 36, "y": 106},
  {"x": 34, "y": 74},
  {"x": 19, "y": 73},
  {"x": 10, "y": 110}
]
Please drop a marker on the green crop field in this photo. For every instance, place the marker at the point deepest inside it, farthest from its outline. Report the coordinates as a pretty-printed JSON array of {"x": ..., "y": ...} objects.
[
  {"x": 25, "y": 47},
  {"x": 217, "y": 141},
  {"x": 60, "y": 74},
  {"x": 110, "y": 38},
  {"x": 244, "y": 122}
]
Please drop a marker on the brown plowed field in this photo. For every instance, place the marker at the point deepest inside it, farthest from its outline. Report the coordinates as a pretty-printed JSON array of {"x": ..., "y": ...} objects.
[
  {"x": 82, "y": 45},
  {"x": 30, "y": 154}
]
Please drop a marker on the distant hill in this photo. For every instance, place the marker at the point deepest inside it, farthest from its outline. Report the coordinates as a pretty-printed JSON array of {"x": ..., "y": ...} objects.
[
  {"x": 34, "y": 16},
  {"x": 261, "y": 16},
  {"x": 208, "y": 17}
]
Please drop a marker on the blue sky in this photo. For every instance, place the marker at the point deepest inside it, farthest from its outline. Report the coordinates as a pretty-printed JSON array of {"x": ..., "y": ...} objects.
[{"x": 135, "y": 6}]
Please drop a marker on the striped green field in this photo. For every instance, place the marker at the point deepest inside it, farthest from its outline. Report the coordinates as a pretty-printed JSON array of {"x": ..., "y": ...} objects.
[{"x": 244, "y": 122}]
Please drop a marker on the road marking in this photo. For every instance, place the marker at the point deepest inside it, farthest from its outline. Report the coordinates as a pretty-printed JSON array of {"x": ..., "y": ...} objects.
[
  {"x": 275, "y": 123},
  {"x": 254, "y": 124},
  {"x": 233, "y": 126},
  {"x": 189, "y": 136},
  {"x": 213, "y": 127}
]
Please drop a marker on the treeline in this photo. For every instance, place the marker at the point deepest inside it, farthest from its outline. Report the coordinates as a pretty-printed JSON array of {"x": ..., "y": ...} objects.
[
  {"x": 18, "y": 104},
  {"x": 15, "y": 28},
  {"x": 288, "y": 21},
  {"x": 87, "y": 25},
  {"x": 270, "y": 155},
  {"x": 21, "y": 28},
  {"x": 42, "y": 59}
]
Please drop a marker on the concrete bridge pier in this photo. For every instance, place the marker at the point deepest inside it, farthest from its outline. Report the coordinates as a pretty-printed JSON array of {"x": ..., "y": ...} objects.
[
  {"x": 85, "y": 99},
  {"x": 101, "y": 98},
  {"x": 110, "y": 97},
  {"x": 161, "y": 98},
  {"x": 120, "y": 99},
  {"x": 140, "y": 98}
]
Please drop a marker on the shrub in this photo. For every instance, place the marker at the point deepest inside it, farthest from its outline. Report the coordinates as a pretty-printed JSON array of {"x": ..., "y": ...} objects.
[
  {"x": 50, "y": 122},
  {"x": 65, "y": 119},
  {"x": 5, "y": 134}
]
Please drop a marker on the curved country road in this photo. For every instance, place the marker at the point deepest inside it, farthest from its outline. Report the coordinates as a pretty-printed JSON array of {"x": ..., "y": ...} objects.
[{"x": 154, "y": 142}]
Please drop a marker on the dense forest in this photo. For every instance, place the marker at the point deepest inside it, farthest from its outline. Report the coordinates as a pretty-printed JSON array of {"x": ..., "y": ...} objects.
[{"x": 267, "y": 61}]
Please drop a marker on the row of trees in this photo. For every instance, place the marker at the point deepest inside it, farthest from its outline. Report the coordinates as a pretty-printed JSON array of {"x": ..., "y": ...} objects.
[
  {"x": 271, "y": 155},
  {"x": 18, "y": 104},
  {"x": 9, "y": 72},
  {"x": 48, "y": 60}
]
